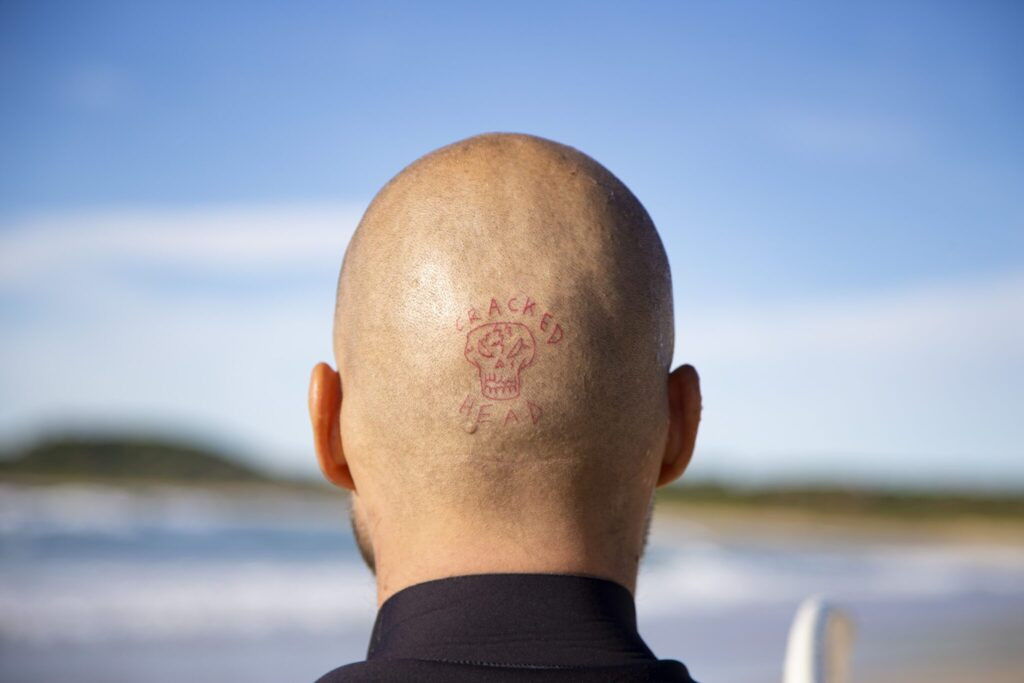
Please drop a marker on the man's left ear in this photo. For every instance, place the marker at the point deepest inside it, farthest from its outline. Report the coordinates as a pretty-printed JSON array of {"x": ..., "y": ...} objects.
[
  {"x": 325, "y": 416},
  {"x": 684, "y": 406}
]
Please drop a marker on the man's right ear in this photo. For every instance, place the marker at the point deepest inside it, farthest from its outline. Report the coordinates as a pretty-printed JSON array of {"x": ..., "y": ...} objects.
[
  {"x": 684, "y": 407},
  {"x": 325, "y": 415}
]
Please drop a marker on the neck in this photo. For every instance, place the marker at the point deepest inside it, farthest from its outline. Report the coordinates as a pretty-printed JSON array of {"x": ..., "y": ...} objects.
[{"x": 408, "y": 552}]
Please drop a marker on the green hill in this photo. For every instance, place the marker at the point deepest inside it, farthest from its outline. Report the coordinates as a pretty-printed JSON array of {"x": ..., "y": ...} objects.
[{"x": 126, "y": 458}]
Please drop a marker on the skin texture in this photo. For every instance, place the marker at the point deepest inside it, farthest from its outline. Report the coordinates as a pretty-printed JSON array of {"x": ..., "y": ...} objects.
[{"x": 477, "y": 432}]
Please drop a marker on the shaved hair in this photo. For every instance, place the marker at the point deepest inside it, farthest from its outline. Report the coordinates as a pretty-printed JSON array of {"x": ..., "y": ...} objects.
[{"x": 503, "y": 333}]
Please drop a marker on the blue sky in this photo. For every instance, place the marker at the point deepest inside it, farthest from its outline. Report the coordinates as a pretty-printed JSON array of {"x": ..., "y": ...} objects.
[{"x": 839, "y": 191}]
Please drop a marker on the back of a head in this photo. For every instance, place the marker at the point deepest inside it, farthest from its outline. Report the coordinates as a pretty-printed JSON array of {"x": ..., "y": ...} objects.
[{"x": 503, "y": 333}]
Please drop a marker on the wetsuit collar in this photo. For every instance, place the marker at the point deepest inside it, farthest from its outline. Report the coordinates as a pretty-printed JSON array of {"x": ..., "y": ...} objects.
[{"x": 522, "y": 620}]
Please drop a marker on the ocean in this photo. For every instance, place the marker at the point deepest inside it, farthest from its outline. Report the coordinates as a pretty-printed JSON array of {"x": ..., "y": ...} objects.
[{"x": 168, "y": 584}]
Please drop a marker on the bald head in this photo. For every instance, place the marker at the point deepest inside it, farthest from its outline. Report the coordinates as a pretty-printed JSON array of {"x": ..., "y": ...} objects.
[{"x": 503, "y": 332}]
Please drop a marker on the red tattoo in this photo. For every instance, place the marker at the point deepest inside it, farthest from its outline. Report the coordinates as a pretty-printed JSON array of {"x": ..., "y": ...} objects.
[
  {"x": 500, "y": 352},
  {"x": 501, "y": 349}
]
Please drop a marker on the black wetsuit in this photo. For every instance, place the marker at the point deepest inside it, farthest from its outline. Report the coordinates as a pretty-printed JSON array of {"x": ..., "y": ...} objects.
[{"x": 509, "y": 627}]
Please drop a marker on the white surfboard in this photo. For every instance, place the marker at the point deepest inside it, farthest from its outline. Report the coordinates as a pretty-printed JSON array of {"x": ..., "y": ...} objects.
[{"x": 820, "y": 644}]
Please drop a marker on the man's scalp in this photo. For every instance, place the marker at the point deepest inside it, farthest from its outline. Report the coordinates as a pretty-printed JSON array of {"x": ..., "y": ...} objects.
[{"x": 504, "y": 309}]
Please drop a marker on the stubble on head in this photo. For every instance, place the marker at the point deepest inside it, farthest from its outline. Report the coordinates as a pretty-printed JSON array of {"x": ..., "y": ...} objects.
[{"x": 362, "y": 537}]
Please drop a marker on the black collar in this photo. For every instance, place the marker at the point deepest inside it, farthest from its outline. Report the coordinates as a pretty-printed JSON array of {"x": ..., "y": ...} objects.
[{"x": 519, "y": 620}]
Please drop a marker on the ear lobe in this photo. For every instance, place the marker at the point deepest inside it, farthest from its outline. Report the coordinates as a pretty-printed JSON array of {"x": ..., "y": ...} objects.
[
  {"x": 325, "y": 416},
  {"x": 684, "y": 407}
]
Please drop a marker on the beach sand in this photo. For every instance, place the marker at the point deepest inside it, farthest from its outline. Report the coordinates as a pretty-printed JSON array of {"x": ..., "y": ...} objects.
[{"x": 782, "y": 523}]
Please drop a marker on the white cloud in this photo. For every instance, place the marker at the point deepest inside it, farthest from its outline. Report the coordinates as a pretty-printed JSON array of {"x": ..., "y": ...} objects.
[
  {"x": 936, "y": 319},
  {"x": 95, "y": 87},
  {"x": 919, "y": 384},
  {"x": 99, "y": 347},
  {"x": 832, "y": 133},
  {"x": 231, "y": 238}
]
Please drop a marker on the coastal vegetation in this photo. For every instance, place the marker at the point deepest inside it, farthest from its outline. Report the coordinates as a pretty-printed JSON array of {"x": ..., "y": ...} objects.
[
  {"x": 125, "y": 458},
  {"x": 835, "y": 500}
]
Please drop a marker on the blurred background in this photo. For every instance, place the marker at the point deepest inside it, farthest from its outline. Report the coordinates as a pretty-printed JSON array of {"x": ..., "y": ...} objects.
[{"x": 839, "y": 192}]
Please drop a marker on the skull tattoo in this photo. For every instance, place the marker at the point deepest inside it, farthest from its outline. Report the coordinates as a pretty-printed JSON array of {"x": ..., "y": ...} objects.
[{"x": 500, "y": 352}]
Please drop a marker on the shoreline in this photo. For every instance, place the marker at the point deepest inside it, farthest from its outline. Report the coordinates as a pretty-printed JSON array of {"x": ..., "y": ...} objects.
[{"x": 788, "y": 523}]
